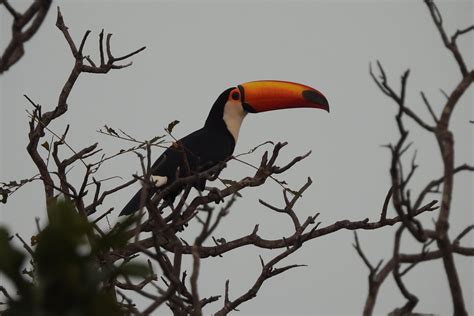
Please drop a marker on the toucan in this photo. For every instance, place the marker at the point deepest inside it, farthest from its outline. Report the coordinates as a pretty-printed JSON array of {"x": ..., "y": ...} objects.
[{"x": 215, "y": 141}]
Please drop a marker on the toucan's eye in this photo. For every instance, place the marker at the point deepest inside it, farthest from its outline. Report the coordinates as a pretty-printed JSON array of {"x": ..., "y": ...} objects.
[{"x": 235, "y": 95}]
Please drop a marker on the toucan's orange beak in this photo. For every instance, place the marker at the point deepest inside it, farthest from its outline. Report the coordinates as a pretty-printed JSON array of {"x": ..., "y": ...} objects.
[{"x": 268, "y": 95}]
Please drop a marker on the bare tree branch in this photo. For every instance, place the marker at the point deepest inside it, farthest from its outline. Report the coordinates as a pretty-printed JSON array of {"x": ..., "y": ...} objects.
[
  {"x": 450, "y": 44},
  {"x": 412, "y": 300},
  {"x": 402, "y": 195},
  {"x": 40, "y": 121},
  {"x": 24, "y": 27},
  {"x": 254, "y": 239}
]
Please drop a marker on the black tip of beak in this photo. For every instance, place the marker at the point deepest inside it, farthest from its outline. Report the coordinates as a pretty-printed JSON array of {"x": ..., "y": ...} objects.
[{"x": 316, "y": 98}]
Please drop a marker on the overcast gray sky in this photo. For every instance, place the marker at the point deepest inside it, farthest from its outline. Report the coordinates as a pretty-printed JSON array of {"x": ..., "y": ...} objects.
[{"x": 197, "y": 49}]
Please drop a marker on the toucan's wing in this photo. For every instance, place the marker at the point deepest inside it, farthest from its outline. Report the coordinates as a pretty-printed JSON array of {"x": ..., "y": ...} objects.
[
  {"x": 197, "y": 151},
  {"x": 163, "y": 171},
  {"x": 134, "y": 204},
  {"x": 201, "y": 149}
]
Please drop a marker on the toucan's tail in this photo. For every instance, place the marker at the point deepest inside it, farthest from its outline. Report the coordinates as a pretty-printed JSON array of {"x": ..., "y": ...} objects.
[{"x": 134, "y": 204}]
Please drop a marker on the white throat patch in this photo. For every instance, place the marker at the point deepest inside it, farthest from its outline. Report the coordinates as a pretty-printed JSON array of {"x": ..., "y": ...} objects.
[{"x": 234, "y": 114}]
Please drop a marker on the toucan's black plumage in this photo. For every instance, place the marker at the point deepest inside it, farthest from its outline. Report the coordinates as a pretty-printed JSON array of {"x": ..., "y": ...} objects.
[
  {"x": 204, "y": 148},
  {"x": 215, "y": 141}
]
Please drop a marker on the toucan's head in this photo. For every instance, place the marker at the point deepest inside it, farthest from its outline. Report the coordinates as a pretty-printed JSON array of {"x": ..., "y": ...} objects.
[{"x": 260, "y": 96}]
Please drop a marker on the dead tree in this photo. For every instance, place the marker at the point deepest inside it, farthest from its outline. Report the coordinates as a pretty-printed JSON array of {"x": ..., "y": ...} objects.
[{"x": 404, "y": 203}]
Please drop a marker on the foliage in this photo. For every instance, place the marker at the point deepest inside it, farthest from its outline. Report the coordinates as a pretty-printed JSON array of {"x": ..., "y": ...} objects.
[{"x": 68, "y": 274}]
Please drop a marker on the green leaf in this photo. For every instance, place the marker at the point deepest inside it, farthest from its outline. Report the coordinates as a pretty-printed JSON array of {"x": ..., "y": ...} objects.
[
  {"x": 11, "y": 262},
  {"x": 4, "y": 194},
  {"x": 67, "y": 277},
  {"x": 45, "y": 145},
  {"x": 117, "y": 237},
  {"x": 171, "y": 126},
  {"x": 110, "y": 130},
  {"x": 134, "y": 269}
]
